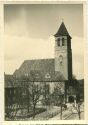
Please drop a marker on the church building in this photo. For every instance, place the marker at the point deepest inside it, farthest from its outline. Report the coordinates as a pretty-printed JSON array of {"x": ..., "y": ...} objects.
[
  {"x": 57, "y": 69},
  {"x": 61, "y": 64},
  {"x": 51, "y": 71}
]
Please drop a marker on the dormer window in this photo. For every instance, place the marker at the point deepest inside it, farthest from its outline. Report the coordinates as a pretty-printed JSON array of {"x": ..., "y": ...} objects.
[{"x": 47, "y": 75}]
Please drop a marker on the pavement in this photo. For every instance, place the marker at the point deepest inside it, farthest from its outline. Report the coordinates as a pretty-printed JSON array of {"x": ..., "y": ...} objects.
[
  {"x": 65, "y": 113},
  {"x": 70, "y": 114},
  {"x": 75, "y": 116},
  {"x": 53, "y": 113}
]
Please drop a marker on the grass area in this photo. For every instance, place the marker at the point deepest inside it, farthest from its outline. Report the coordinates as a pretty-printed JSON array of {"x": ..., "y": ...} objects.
[{"x": 22, "y": 113}]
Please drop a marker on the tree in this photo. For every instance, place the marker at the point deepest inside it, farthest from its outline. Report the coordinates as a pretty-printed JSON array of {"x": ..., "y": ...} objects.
[
  {"x": 76, "y": 86},
  {"x": 34, "y": 95},
  {"x": 34, "y": 91},
  {"x": 27, "y": 94},
  {"x": 78, "y": 110},
  {"x": 46, "y": 94},
  {"x": 59, "y": 96}
]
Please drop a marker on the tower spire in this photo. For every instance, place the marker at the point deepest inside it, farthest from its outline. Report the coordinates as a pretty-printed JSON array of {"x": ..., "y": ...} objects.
[{"x": 62, "y": 31}]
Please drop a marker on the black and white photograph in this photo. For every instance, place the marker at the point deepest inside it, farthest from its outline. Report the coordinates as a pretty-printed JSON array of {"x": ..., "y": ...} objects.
[{"x": 44, "y": 62}]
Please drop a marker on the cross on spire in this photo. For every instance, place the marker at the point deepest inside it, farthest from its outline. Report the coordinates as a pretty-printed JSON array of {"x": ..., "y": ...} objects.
[{"x": 62, "y": 19}]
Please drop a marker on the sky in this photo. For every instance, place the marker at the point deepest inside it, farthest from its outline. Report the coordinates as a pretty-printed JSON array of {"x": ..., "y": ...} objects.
[{"x": 29, "y": 33}]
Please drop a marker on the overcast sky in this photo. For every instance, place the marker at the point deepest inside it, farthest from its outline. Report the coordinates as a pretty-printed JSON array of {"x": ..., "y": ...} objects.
[{"x": 29, "y": 31}]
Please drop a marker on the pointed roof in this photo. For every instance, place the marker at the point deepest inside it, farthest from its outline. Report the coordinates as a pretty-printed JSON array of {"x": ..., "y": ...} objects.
[{"x": 62, "y": 31}]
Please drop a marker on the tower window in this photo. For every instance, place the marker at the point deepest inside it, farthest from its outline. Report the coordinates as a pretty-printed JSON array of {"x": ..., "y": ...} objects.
[
  {"x": 58, "y": 41},
  {"x": 61, "y": 59},
  {"x": 63, "y": 41}
]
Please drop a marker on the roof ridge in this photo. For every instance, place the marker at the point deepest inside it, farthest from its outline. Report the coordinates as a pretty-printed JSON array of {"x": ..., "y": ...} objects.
[{"x": 39, "y": 59}]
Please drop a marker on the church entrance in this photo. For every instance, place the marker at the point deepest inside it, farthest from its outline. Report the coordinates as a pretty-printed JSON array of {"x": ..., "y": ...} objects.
[{"x": 71, "y": 99}]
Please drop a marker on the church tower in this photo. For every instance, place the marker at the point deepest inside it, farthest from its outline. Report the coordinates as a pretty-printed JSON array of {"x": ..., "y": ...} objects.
[{"x": 63, "y": 52}]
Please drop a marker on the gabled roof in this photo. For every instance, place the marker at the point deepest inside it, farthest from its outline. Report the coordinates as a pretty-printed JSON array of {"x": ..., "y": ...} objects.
[
  {"x": 39, "y": 70},
  {"x": 62, "y": 31},
  {"x": 43, "y": 65}
]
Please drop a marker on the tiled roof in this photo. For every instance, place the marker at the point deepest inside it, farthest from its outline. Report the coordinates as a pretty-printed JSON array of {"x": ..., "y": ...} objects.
[
  {"x": 39, "y": 70},
  {"x": 9, "y": 81},
  {"x": 43, "y": 65}
]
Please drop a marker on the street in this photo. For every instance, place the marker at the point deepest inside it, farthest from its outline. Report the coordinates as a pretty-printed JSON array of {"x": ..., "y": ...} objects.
[{"x": 70, "y": 114}]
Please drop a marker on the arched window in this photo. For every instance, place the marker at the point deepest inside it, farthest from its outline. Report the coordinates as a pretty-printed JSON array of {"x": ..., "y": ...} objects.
[
  {"x": 61, "y": 59},
  {"x": 63, "y": 41},
  {"x": 58, "y": 41}
]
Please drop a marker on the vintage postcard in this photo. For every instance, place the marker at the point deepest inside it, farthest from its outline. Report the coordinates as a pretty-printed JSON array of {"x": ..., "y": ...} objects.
[{"x": 44, "y": 72}]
